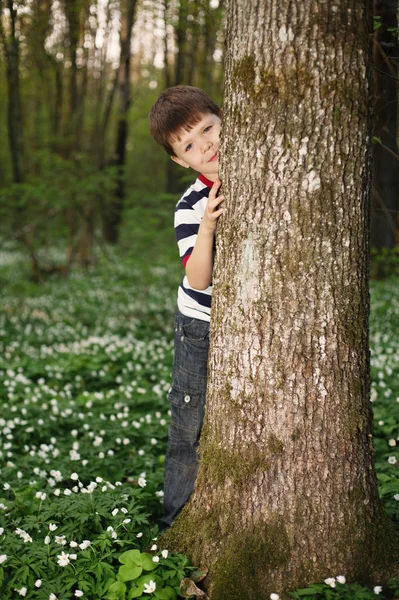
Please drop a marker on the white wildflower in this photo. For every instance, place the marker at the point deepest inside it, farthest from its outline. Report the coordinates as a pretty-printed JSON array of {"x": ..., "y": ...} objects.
[
  {"x": 63, "y": 559},
  {"x": 341, "y": 579},
  {"x": 165, "y": 555},
  {"x": 22, "y": 591},
  {"x": 150, "y": 587},
  {"x": 330, "y": 581},
  {"x": 377, "y": 589},
  {"x": 3, "y": 558}
]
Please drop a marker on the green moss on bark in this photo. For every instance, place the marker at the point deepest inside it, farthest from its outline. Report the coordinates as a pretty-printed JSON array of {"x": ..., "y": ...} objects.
[{"x": 248, "y": 557}]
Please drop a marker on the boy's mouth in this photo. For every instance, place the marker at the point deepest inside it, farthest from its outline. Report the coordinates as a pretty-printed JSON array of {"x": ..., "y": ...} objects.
[{"x": 214, "y": 157}]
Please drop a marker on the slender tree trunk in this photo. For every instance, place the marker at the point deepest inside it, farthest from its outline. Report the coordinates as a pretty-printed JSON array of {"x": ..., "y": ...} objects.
[
  {"x": 181, "y": 42},
  {"x": 14, "y": 110},
  {"x": 385, "y": 166},
  {"x": 72, "y": 11},
  {"x": 166, "y": 70},
  {"x": 114, "y": 213},
  {"x": 286, "y": 493}
]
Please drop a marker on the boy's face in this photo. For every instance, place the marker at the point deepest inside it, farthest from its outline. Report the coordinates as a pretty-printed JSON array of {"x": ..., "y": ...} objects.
[{"x": 199, "y": 147}]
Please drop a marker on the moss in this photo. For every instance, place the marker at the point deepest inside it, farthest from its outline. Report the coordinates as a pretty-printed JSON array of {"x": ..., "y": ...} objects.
[
  {"x": 274, "y": 445},
  {"x": 296, "y": 433},
  {"x": 244, "y": 73},
  {"x": 237, "y": 465},
  {"x": 248, "y": 558}
]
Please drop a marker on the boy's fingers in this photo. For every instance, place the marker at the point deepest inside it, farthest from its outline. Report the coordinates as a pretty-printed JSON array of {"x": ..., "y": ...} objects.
[
  {"x": 216, "y": 201},
  {"x": 214, "y": 188}
]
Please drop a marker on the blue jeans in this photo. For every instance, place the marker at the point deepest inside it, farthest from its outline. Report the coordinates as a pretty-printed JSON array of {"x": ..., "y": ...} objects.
[{"x": 187, "y": 403}]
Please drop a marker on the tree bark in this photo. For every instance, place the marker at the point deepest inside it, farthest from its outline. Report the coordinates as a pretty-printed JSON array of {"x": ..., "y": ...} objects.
[
  {"x": 286, "y": 493},
  {"x": 385, "y": 205}
]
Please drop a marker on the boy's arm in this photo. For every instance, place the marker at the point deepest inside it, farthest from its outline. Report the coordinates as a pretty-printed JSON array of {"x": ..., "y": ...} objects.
[{"x": 200, "y": 264}]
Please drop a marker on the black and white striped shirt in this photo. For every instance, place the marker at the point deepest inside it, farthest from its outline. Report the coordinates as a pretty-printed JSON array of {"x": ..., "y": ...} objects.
[{"x": 189, "y": 212}]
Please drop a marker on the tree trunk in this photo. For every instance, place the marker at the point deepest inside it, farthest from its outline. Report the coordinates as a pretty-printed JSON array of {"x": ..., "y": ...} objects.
[
  {"x": 166, "y": 69},
  {"x": 14, "y": 111},
  {"x": 385, "y": 195},
  {"x": 286, "y": 493},
  {"x": 181, "y": 42},
  {"x": 72, "y": 11},
  {"x": 114, "y": 214}
]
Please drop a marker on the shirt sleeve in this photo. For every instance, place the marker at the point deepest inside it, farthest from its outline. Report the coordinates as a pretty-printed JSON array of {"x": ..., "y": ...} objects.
[{"x": 187, "y": 223}]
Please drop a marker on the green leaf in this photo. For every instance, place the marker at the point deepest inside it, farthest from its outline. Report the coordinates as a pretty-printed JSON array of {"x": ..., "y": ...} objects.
[
  {"x": 161, "y": 594},
  {"x": 117, "y": 591},
  {"x": 129, "y": 572},
  {"x": 135, "y": 592},
  {"x": 376, "y": 140},
  {"x": 147, "y": 562},
  {"x": 131, "y": 556},
  {"x": 171, "y": 592},
  {"x": 306, "y": 592}
]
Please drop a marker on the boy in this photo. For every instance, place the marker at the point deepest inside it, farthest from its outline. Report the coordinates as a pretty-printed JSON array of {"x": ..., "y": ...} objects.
[{"x": 186, "y": 122}]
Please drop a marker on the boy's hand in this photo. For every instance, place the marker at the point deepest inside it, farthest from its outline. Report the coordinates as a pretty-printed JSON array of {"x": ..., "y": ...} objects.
[{"x": 213, "y": 209}]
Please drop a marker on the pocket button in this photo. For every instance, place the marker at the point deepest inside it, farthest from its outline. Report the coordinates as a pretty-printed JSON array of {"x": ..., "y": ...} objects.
[{"x": 187, "y": 398}]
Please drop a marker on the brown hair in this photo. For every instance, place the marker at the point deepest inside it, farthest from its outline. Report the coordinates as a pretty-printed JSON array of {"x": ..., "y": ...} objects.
[{"x": 177, "y": 108}]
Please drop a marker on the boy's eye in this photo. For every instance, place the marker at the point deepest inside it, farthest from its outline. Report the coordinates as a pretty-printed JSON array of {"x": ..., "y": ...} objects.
[
  {"x": 188, "y": 147},
  {"x": 207, "y": 128}
]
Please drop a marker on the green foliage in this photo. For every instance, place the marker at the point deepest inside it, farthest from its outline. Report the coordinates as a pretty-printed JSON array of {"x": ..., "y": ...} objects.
[
  {"x": 336, "y": 588},
  {"x": 58, "y": 184},
  {"x": 384, "y": 263}
]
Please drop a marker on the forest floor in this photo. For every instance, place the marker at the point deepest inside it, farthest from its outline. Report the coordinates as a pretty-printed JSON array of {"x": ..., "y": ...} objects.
[{"x": 85, "y": 365}]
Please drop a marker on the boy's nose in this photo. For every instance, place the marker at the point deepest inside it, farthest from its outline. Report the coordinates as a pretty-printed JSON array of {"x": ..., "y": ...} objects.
[{"x": 206, "y": 146}]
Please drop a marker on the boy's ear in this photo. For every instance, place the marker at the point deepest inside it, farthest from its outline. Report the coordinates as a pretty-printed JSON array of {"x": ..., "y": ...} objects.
[{"x": 180, "y": 162}]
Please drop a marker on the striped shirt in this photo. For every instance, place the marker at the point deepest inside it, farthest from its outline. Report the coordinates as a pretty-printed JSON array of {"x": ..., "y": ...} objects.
[{"x": 189, "y": 212}]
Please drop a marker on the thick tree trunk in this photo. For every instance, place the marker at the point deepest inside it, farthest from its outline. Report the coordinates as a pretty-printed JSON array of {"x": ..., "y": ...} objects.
[
  {"x": 385, "y": 166},
  {"x": 286, "y": 493}
]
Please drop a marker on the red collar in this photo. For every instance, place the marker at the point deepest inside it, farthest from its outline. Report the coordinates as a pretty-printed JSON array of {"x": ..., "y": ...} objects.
[{"x": 206, "y": 181}]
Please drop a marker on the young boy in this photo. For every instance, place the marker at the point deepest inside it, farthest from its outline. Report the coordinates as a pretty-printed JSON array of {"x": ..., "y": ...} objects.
[{"x": 186, "y": 122}]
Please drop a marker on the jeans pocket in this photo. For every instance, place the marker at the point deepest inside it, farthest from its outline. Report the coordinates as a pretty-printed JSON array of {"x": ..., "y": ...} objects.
[
  {"x": 186, "y": 419},
  {"x": 195, "y": 330}
]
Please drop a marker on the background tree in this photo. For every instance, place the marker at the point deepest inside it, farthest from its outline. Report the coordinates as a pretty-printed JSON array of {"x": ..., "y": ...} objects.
[
  {"x": 9, "y": 33},
  {"x": 385, "y": 152},
  {"x": 287, "y": 456},
  {"x": 113, "y": 215}
]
